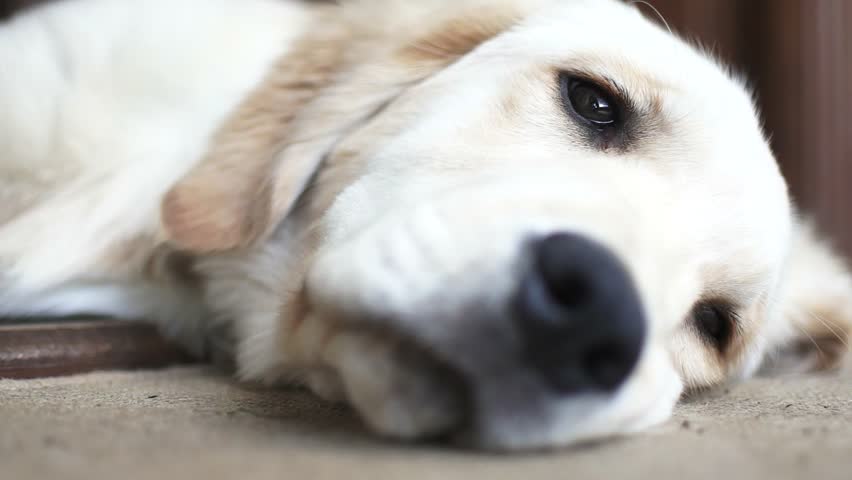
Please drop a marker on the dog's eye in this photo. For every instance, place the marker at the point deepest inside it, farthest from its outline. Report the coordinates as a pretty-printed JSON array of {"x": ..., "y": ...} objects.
[
  {"x": 715, "y": 322},
  {"x": 592, "y": 103}
]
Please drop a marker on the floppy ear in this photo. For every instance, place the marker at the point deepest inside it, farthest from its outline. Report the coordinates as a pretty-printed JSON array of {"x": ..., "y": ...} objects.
[
  {"x": 815, "y": 307},
  {"x": 248, "y": 180},
  {"x": 329, "y": 84},
  {"x": 225, "y": 201},
  {"x": 267, "y": 151}
]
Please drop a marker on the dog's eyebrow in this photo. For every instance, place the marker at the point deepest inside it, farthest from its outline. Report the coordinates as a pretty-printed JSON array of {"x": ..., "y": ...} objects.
[{"x": 611, "y": 67}]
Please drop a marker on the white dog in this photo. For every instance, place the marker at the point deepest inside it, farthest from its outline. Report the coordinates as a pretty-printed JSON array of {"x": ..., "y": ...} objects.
[{"x": 517, "y": 223}]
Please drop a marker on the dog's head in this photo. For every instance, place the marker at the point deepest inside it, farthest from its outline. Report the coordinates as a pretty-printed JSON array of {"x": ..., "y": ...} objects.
[{"x": 566, "y": 211}]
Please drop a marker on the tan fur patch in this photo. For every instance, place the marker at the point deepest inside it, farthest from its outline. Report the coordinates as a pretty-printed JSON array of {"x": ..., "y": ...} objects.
[
  {"x": 459, "y": 36},
  {"x": 240, "y": 189},
  {"x": 225, "y": 201}
]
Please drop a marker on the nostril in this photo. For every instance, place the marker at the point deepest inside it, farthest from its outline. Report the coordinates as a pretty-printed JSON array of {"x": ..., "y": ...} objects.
[
  {"x": 568, "y": 289},
  {"x": 560, "y": 263},
  {"x": 608, "y": 365},
  {"x": 579, "y": 315}
]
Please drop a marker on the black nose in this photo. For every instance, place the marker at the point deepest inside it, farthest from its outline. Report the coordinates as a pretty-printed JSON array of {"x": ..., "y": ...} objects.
[{"x": 579, "y": 314}]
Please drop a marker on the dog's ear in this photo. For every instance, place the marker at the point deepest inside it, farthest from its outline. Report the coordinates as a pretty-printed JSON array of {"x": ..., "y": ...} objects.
[
  {"x": 331, "y": 83},
  {"x": 267, "y": 151},
  {"x": 249, "y": 178},
  {"x": 815, "y": 308}
]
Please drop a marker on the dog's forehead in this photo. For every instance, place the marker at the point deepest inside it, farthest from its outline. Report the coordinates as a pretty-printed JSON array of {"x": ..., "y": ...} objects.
[
  {"x": 614, "y": 39},
  {"x": 614, "y": 43},
  {"x": 716, "y": 143},
  {"x": 714, "y": 155}
]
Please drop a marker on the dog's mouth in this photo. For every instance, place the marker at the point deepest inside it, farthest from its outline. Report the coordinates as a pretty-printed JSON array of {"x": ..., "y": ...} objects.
[{"x": 400, "y": 388}]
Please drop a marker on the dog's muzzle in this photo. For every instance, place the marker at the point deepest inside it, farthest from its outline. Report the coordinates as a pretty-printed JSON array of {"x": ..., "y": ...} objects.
[{"x": 495, "y": 352}]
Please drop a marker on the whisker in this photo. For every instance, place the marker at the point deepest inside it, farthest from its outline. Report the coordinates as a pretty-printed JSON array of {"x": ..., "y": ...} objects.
[
  {"x": 808, "y": 335},
  {"x": 659, "y": 15},
  {"x": 830, "y": 327},
  {"x": 803, "y": 313}
]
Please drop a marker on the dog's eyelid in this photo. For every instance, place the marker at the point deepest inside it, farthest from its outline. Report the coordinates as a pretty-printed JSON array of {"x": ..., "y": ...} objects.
[{"x": 606, "y": 83}]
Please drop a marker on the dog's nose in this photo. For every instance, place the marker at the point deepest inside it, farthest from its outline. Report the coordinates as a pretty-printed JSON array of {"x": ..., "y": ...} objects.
[{"x": 580, "y": 315}]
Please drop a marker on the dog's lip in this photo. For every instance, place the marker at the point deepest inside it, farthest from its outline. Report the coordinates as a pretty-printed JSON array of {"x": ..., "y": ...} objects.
[{"x": 446, "y": 378}]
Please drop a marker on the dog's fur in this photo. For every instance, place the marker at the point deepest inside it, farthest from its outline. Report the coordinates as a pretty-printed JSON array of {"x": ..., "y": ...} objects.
[{"x": 344, "y": 190}]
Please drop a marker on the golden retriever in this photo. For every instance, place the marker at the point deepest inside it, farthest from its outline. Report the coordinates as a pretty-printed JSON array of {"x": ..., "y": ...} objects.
[{"x": 512, "y": 223}]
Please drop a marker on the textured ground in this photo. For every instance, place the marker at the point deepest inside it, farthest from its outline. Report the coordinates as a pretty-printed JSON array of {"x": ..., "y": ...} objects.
[{"x": 192, "y": 423}]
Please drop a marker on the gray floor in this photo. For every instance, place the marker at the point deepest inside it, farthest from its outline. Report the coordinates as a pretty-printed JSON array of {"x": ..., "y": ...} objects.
[{"x": 192, "y": 423}]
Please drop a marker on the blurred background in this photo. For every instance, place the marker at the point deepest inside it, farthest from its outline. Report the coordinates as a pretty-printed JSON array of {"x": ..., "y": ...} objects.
[{"x": 798, "y": 56}]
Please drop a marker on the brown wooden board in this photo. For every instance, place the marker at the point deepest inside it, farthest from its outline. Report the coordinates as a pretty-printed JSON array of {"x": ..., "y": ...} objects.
[{"x": 31, "y": 350}]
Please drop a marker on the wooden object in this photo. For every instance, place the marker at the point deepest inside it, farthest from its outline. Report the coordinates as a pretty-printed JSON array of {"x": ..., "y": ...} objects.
[{"x": 52, "y": 349}]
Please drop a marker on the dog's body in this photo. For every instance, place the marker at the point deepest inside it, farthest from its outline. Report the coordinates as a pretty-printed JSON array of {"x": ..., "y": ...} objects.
[{"x": 346, "y": 190}]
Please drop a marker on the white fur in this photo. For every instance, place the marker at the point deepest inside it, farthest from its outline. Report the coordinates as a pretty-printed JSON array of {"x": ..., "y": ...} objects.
[
  {"x": 107, "y": 103},
  {"x": 114, "y": 101}
]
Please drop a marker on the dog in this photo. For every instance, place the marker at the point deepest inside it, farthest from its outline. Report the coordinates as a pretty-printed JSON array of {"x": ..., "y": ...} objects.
[{"x": 513, "y": 224}]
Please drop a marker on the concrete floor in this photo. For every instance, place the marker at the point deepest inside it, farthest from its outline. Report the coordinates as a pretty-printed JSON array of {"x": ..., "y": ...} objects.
[{"x": 192, "y": 423}]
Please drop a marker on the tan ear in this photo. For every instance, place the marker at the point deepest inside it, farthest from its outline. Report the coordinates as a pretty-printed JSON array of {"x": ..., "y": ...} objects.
[
  {"x": 244, "y": 185},
  {"x": 346, "y": 71},
  {"x": 816, "y": 308},
  {"x": 224, "y": 202},
  {"x": 267, "y": 151}
]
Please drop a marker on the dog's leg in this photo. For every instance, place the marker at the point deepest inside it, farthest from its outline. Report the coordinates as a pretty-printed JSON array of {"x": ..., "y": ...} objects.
[{"x": 162, "y": 291}]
